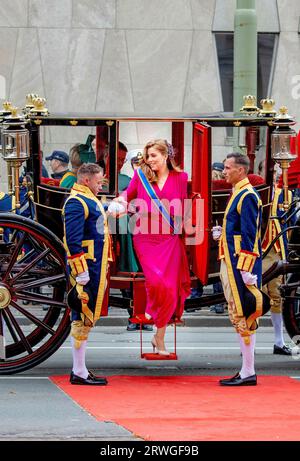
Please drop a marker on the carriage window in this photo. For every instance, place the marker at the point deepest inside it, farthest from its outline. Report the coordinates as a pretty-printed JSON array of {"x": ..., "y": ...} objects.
[
  {"x": 251, "y": 141},
  {"x": 63, "y": 150}
]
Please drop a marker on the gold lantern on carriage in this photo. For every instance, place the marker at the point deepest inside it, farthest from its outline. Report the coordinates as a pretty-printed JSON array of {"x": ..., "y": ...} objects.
[
  {"x": 14, "y": 148},
  {"x": 284, "y": 147}
]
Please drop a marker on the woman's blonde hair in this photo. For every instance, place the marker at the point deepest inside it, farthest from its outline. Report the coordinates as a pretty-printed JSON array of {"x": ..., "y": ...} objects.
[{"x": 166, "y": 149}]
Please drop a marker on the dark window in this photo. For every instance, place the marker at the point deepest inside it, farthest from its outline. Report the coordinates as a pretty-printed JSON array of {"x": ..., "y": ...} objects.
[
  {"x": 224, "y": 42},
  {"x": 266, "y": 47},
  {"x": 265, "y": 54}
]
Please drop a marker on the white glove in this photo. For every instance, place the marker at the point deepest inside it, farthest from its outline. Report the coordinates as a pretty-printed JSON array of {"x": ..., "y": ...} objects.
[
  {"x": 216, "y": 232},
  {"x": 83, "y": 278},
  {"x": 248, "y": 278},
  {"x": 116, "y": 208}
]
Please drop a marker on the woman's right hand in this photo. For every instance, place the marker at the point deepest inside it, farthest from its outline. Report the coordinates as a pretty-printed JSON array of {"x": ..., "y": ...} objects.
[
  {"x": 121, "y": 200},
  {"x": 117, "y": 207}
]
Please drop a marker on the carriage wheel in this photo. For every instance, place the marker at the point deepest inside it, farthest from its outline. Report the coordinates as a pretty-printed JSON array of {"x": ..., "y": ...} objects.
[
  {"x": 291, "y": 308},
  {"x": 34, "y": 317}
]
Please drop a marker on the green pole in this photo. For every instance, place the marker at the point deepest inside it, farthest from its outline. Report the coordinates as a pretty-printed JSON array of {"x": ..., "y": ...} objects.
[{"x": 245, "y": 52}]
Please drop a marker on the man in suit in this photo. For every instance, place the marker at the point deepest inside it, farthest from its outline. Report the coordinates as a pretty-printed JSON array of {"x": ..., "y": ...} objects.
[{"x": 241, "y": 263}]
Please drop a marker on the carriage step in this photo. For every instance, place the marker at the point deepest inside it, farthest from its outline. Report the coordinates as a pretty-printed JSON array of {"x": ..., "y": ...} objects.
[{"x": 156, "y": 356}]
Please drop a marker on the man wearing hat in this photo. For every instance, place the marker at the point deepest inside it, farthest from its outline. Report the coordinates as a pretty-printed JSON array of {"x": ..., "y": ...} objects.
[
  {"x": 241, "y": 263},
  {"x": 217, "y": 170},
  {"x": 86, "y": 241},
  {"x": 59, "y": 161}
]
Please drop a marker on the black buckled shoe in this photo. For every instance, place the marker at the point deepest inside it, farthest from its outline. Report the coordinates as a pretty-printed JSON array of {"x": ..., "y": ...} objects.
[
  {"x": 133, "y": 326},
  {"x": 236, "y": 380},
  {"x": 97, "y": 378},
  {"x": 284, "y": 350},
  {"x": 91, "y": 380},
  {"x": 147, "y": 327}
]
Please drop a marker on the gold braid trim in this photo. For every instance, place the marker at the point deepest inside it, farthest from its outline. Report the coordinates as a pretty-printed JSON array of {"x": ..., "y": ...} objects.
[
  {"x": 80, "y": 332},
  {"x": 77, "y": 264}
]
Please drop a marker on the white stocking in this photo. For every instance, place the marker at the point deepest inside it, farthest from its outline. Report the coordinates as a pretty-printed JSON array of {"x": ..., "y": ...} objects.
[
  {"x": 248, "y": 356},
  {"x": 278, "y": 328},
  {"x": 79, "y": 367}
]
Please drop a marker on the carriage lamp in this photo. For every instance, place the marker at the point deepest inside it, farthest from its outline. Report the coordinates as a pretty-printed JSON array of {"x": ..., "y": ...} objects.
[
  {"x": 284, "y": 147},
  {"x": 15, "y": 148}
]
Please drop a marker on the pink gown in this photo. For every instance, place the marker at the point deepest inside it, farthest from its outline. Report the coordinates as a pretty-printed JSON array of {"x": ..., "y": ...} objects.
[{"x": 162, "y": 255}]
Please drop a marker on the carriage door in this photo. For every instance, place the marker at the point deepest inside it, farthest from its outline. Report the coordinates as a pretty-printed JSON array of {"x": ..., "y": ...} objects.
[{"x": 201, "y": 188}]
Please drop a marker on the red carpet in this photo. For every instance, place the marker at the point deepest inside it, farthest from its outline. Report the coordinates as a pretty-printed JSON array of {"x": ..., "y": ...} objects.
[{"x": 193, "y": 407}]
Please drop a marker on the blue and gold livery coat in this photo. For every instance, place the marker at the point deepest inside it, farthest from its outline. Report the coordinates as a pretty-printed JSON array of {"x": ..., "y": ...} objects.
[
  {"x": 240, "y": 242},
  {"x": 275, "y": 226},
  {"x": 86, "y": 241}
]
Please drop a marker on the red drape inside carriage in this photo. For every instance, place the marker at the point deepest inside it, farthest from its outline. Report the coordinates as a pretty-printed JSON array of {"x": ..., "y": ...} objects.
[{"x": 201, "y": 187}]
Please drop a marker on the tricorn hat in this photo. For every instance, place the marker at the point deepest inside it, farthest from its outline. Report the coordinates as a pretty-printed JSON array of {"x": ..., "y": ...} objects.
[
  {"x": 77, "y": 296},
  {"x": 256, "y": 304}
]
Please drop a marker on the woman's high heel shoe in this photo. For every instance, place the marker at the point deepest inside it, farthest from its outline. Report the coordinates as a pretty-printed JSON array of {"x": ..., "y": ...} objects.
[{"x": 154, "y": 345}]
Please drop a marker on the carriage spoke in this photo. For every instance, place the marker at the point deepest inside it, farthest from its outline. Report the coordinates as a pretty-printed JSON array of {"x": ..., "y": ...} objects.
[
  {"x": 26, "y": 256},
  {"x": 14, "y": 257},
  {"x": 30, "y": 265},
  {"x": 33, "y": 318},
  {"x": 27, "y": 296},
  {"x": 36, "y": 245},
  {"x": 41, "y": 282},
  {"x": 9, "y": 326},
  {"x": 19, "y": 331}
]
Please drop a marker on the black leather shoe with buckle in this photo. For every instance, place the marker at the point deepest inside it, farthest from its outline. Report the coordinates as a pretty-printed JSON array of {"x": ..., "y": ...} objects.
[
  {"x": 133, "y": 326},
  {"x": 236, "y": 380},
  {"x": 284, "y": 350},
  {"x": 97, "y": 378},
  {"x": 147, "y": 327},
  {"x": 91, "y": 380}
]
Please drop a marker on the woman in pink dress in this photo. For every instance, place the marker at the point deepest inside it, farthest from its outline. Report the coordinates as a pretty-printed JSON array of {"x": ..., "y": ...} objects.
[{"x": 160, "y": 248}]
